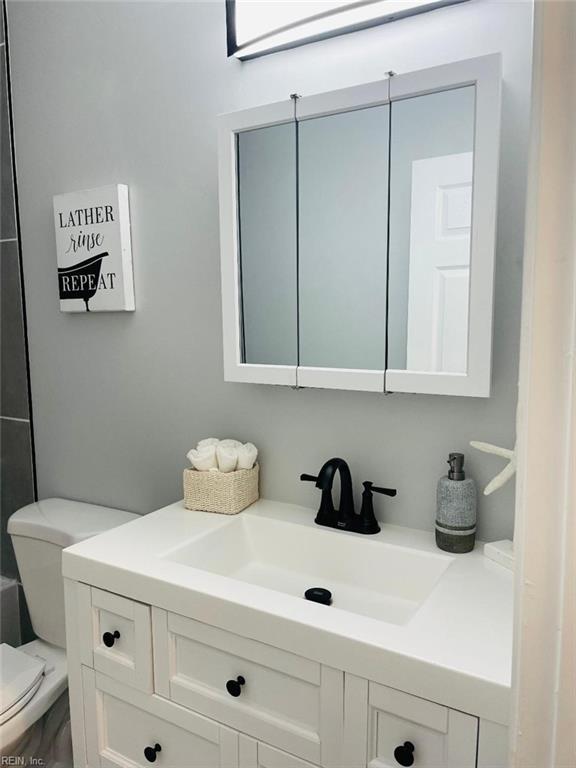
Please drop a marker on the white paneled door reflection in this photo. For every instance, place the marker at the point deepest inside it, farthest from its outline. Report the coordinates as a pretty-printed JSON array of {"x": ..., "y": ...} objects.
[{"x": 439, "y": 278}]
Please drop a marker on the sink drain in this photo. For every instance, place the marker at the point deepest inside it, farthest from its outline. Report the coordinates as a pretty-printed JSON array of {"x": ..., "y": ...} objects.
[{"x": 319, "y": 595}]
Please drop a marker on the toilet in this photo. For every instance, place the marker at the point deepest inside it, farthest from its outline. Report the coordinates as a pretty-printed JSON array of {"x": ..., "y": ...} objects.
[{"x": 34, "y": 715}]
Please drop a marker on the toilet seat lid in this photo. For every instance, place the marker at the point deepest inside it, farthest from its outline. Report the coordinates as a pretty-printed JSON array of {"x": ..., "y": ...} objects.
[{"x": 20, "y": 677}]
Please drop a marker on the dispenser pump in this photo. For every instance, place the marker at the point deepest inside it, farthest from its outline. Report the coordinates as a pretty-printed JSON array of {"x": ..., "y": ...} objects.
[{"x": 456, "y": 471}]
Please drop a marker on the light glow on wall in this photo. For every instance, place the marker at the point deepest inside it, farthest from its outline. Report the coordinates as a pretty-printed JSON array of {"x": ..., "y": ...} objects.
[{"x": 256, "y": 27}]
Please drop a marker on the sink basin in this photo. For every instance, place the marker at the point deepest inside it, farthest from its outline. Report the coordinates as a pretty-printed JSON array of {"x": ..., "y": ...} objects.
[{"x": 367, "y": 576}]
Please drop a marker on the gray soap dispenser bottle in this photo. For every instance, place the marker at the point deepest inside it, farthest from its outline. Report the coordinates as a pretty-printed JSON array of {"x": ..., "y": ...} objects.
[{"x": 456, "y": 508}]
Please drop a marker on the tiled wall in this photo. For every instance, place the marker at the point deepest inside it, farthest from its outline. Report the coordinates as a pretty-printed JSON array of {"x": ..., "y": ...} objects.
[{"x": 16, "y": 448}]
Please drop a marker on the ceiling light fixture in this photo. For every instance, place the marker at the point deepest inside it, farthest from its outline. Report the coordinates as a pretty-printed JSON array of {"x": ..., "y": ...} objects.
[{"x": 257, "y": 27}]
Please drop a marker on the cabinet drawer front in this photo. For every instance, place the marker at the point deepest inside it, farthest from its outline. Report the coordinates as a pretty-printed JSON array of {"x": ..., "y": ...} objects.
[
  {"x": 122, "y": 722},
  {"x": 436, "y": 737},
  {"x": 125, "y": 625},
  {"x": 254, "y": 754},
  {"x": 285, "y": 700}
]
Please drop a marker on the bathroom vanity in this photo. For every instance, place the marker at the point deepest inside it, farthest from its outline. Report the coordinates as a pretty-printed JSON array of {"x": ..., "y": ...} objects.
[{"x": 190, "y": 644}]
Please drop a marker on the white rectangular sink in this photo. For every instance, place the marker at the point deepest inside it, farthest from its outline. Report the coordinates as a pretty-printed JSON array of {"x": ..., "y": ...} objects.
[{"x": 365, "y": 575}]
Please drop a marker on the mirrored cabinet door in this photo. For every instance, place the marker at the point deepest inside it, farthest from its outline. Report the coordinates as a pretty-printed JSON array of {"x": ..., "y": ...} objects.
[
  {"x": 343, "y": 223},
  {"x": 267, "y": 244},
  {"x": 444, "y": 158},
  {"x": 431, "y": 174}
]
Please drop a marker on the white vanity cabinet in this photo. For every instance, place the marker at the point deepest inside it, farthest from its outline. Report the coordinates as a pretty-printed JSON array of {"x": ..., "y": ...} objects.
[
  {"x": 283, "y": 699},
  {"x": 117, "y": 637},
  {"x": 125, "y": 727},
  {"x": 385, "y": 728},
  {"x": 254, "y": 754},
  {"x": 402, "y": 726},
  {"x": 184, "y": 694}
]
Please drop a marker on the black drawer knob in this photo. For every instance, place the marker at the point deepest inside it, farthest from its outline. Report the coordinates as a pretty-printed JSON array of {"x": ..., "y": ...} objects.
[
  {"x": 109, "y": 638},
  {"x": 151, "y": 752},
  {"x": 404, "y": 755},
  {"x": 234, "y": 687}
]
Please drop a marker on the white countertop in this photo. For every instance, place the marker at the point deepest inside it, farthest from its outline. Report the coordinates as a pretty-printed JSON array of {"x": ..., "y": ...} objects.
[{"x": 456, "y": 649}]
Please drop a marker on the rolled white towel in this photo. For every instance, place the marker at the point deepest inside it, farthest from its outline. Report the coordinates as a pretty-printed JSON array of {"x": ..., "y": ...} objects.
[
  {"x": 229, "y": 443},
  {"x": 207, "y": 442},
  {"x": 247, "y": 455},
  {"x": 203, "y": 459},
  {"x": 227, "y": 457}
]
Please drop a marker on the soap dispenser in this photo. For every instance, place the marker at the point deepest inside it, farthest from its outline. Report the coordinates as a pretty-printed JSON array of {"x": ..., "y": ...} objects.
[{"x": 456, "y": 508}]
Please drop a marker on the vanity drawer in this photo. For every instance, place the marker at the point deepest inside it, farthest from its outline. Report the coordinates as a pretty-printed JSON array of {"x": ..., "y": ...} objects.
[
  {"x": 285, "y": 700},
  {"x": 118, "y": 638},
  {"x": 121, "y": 723},
  {"x": 433, "y": 735},
  {"x": 254, "y": 754}
]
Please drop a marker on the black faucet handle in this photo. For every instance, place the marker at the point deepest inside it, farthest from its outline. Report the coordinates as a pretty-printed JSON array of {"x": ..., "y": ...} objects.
[
  {"x": 309, "y": 478},
  {"x": 386, "y": 491}
]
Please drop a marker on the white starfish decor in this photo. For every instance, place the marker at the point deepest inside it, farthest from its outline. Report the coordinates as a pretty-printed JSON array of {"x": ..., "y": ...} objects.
[{"x": 508, "y": 471}]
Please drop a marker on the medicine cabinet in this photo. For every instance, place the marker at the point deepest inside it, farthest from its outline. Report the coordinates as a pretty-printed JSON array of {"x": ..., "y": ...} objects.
[{"x": 358, "y": 234}]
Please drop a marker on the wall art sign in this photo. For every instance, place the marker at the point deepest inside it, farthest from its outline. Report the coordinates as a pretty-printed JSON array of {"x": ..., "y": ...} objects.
[{"x": 94, "y": 251}]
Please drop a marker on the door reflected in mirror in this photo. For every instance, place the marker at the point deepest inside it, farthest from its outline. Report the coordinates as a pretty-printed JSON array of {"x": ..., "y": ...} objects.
[{"x": 431, "y": 174}]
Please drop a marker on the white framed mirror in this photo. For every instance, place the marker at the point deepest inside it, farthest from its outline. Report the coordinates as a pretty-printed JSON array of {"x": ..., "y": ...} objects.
[{"x": 358, "y": 232}]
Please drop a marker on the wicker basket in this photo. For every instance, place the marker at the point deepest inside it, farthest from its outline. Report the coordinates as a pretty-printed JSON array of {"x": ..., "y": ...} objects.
[{"x": 224, "y": 492}]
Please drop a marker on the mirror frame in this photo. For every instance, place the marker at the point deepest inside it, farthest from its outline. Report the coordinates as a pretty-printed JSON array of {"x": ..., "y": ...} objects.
[{"x": 485, "y": 74}]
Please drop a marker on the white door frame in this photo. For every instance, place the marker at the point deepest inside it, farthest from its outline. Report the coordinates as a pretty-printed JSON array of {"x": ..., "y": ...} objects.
[{"x": 543, "y": 731}]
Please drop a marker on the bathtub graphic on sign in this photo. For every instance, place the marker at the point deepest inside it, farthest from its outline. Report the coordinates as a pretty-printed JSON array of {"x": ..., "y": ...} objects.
[
  {"x": 94, "y": 251},
  {"x": 81, "y": 280}
]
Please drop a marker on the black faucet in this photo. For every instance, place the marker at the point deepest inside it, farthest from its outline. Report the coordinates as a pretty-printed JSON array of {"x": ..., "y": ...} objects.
[{"x": 344, "y": 518}]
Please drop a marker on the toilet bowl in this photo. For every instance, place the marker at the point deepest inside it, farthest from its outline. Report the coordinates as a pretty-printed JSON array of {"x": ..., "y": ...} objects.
[
  {"x": 33, "y": 681},
  {"x": 34, "y": 715}
]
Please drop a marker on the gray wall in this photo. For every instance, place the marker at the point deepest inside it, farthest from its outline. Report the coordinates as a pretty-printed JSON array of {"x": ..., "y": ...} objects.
[
  {"x": 17, "y": 464},
  {"x": 128, "y": 92}
]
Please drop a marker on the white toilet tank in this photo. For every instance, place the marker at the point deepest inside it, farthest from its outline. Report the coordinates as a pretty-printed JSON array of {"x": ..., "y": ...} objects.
[{"x": 40, "y": 532}]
